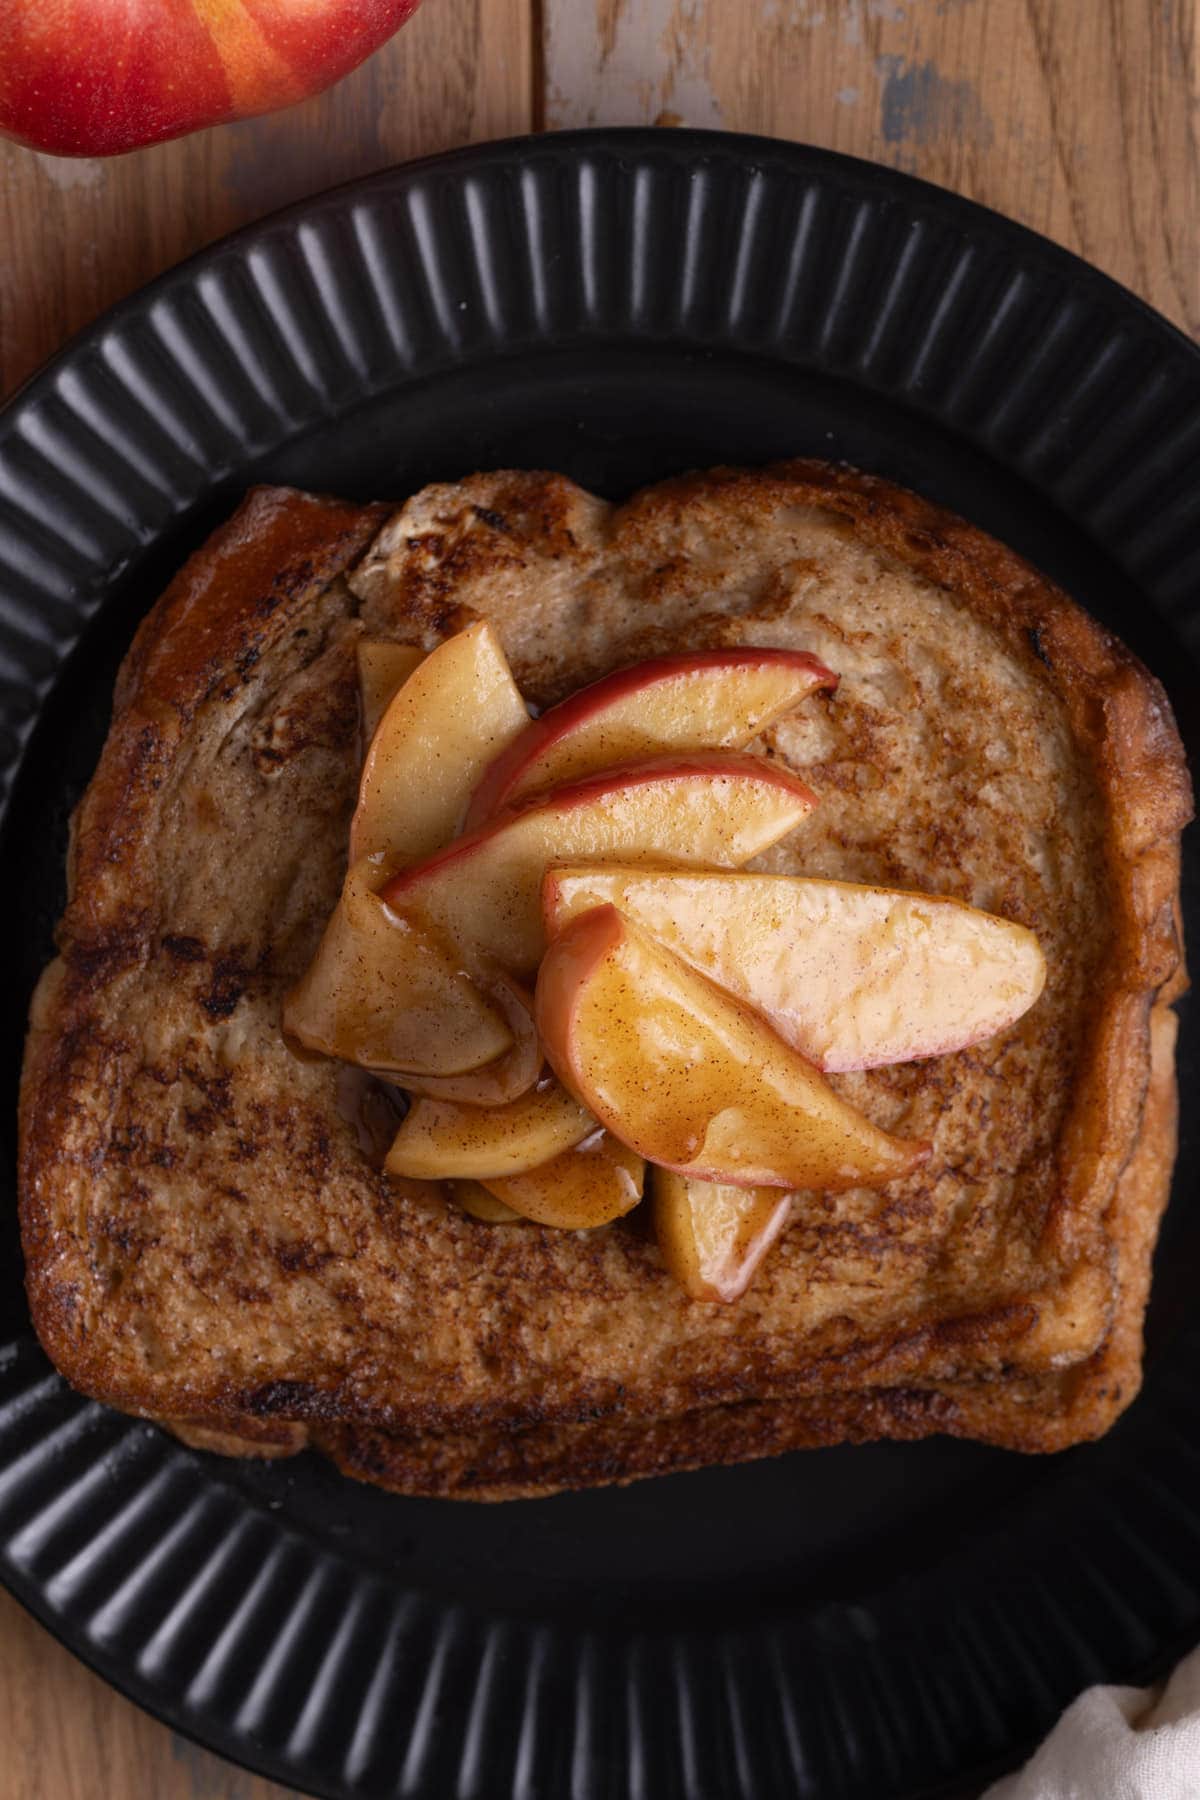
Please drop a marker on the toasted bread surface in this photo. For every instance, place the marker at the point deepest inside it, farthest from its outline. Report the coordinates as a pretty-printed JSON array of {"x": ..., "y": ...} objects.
[
  {"x": 206, "y": 1239},
  {"x": 1032, "y": 1413}
]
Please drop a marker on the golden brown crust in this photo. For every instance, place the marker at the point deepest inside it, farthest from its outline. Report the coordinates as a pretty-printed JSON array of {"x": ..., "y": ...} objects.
[
  {"x": 241, "y": 592},
  {"x": 205, "y": 636},
  {"x": 269, "y": 1439},
  {"x": 1036, "y": 1414},
  {"x": 1121, "y": 715},
  {"x": 159, "y": 1104}
]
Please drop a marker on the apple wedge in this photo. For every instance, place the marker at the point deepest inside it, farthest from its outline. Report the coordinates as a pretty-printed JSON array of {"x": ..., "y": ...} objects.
[
  {"x": 852, "y": 976},
  {"x": 383, "y": 668},
  {"x": 512, "y": 1073},
  {"x": 706, "y": 700},
  {"x": 691, "y": 1078},
  {"x": 444, "y": 1140},
  {"x": 486, "y": 890},
  {"x": 456, "y": 711},
  {"x": 597, "y": 1181},
  {"x": 713, "y": 1236},
  {"x": 383, "y": 993},
  {"x": 474, "y": 1198}
]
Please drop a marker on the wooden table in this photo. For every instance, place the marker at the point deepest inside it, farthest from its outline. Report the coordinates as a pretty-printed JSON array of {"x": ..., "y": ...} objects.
[{"x": 1078, "y": 117}]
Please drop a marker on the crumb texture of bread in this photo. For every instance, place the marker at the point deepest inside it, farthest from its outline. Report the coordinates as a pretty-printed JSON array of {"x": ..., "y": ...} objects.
[{"x": 205, "y": 1240}]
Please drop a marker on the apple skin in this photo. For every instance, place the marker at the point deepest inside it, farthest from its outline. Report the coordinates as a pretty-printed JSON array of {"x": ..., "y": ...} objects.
[
  {"x": 852, "y": 976},
  {"x": 703, "y": 700},
  {"x": 690, "y": 1077},
  {"x": 485, "y": 890},
  {"x": 98, "y": 77}
]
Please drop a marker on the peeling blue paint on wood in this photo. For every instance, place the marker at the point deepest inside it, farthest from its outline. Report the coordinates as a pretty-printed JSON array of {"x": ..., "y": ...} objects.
[{"x": 920, "y": 106}]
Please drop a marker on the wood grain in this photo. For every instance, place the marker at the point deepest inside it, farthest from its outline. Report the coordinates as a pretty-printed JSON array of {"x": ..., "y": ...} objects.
[
  {"x": 68, "y": 1736},
  {"x": 1079, "y": 117},
  {"x": 76, "y": 235}
]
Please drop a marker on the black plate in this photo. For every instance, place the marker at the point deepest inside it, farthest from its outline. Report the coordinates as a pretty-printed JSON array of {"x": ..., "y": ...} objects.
[{"x": 870, "y": 1622}]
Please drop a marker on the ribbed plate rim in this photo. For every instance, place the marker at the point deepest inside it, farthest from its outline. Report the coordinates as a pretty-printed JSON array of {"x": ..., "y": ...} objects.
[
  {"x": 793, "y": 156},
  {"x": 1105, "y": 297}
]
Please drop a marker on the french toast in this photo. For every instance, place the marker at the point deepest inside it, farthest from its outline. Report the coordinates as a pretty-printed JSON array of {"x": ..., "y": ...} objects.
[{"x": 208, "y": 1240}]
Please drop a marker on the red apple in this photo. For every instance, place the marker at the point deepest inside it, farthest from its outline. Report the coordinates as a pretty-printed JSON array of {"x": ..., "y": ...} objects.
[
  {"x": 706, "y": 700},
  {"x": 95, "y": 77}
]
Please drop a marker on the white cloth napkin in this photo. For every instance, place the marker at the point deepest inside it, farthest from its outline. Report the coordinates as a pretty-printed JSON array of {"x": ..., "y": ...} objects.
[{"x": 1119, "y": 1743}]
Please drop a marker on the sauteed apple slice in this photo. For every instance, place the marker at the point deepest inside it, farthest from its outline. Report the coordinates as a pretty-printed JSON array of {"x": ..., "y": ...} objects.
[
  {"x": 474, "y": 1198},
  {"x": 383, "y": 668},
  {"x": 593, "y": 1183},
  {"x": 712, "y": 1235},
  {"x": 486, "y": 890},
  {"x": 386, "y": 994},
  {"x": 852, "y": 976},
  {"x": 455, "y": 712},
  {"x": 691, "y": 1078},
  {"x": 442, "y": 1139},
  {"x": 705, "y": 700},
  {"x": 509, "y": 1075}
]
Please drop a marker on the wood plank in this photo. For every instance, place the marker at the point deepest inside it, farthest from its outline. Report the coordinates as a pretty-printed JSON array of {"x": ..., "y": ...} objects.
[
  {"x": 1080, "y": 120},
  {"x": 68, "y": 1736},
  {"x": 75, "y": 235}
]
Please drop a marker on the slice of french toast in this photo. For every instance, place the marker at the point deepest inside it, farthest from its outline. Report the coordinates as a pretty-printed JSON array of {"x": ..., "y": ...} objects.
[{"x": 207, "y": 1240}]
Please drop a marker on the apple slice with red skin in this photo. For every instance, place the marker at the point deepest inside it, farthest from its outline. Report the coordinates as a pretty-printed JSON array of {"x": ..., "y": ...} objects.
[
  {"x": 852, "y": 976},
  {"x": 383, "y": 993},
  {"x": 591, "y": 1184},
  {"x": 455, "y": 712},
  {"x": 704, "y": 700},
  {"x": 485, "y": 890},
  {"x": 691, "y": 1078},
  {"x": 443, "y": 1140},
  {"x": 713, "y": 1236},
  {"x": 383, "y": 668}
]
